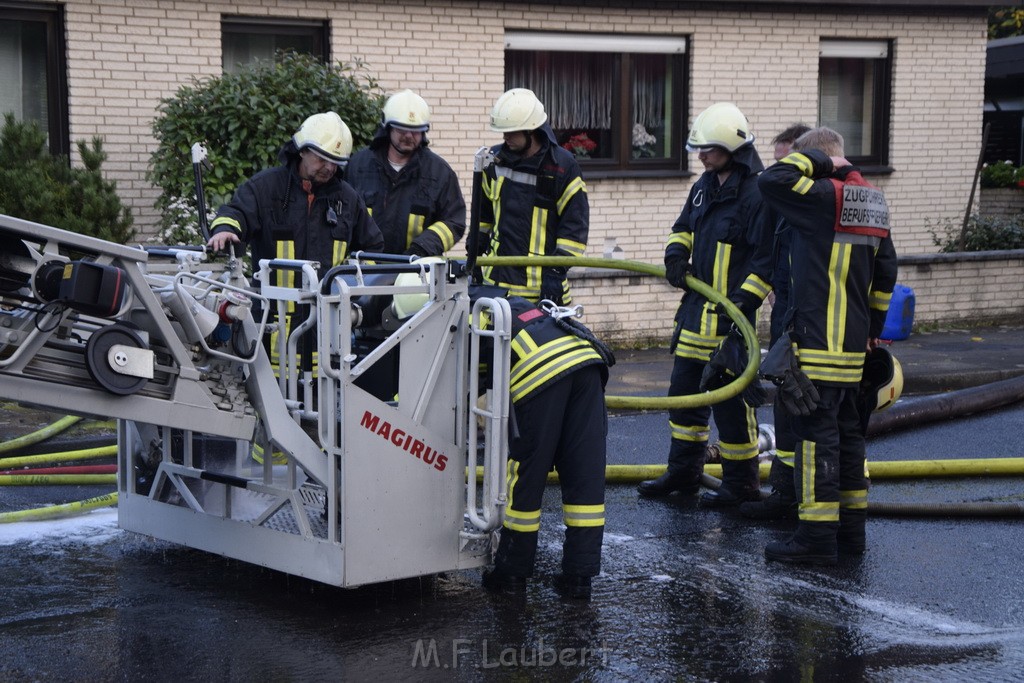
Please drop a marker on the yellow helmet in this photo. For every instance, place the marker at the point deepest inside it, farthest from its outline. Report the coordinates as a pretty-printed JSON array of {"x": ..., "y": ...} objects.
[
  {"x": 408, "y": 111},
  {"x": 517, "y": 109},
  {"x": 326, "y": 135},
  {"x": 882, "y": 381},
  {"x": 720, "y": 125}
]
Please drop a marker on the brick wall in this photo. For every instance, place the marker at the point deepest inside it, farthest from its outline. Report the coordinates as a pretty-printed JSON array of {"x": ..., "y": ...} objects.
[
  {"x": 948, "y": 289},
  {"x": 1000, "y": 202},
  {"x": 124, "y": 56}
]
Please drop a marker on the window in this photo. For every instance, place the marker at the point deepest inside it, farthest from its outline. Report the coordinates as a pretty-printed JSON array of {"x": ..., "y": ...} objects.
[
  {"x": 245, "y": 40},
  {"x": 853, "y": 96},
  {"x": 33, "y": 76},
  {"x": 616, "y": 101}
]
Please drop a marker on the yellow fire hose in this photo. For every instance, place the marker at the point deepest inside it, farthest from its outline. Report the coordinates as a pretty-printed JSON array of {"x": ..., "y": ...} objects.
[
  {"x": 880, "y": 470},
  {"x": 58, "y": 511},
  {"x": 750, "y": 340},
  {"x": 66, "y": 456},
  {"x": 29, "y": 479},
  {"x": 39, "y": 435}
]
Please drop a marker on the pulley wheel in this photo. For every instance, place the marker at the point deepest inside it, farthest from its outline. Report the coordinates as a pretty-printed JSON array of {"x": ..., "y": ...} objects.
[{"x": 96, "y": 362}]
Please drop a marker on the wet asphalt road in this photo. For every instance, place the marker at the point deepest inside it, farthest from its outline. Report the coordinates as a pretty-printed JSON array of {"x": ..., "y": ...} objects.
[{"x": 685, "y": 594}]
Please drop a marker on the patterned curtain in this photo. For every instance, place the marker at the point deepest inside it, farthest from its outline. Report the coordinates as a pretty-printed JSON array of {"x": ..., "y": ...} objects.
[{"x": 575, "y": 87}]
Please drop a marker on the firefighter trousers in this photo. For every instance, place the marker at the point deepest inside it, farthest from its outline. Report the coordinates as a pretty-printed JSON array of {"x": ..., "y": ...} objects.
[
  {"x": 735, "y": 420},
  {"x": 564, "y": 427},
  {"x": 830, "y": 457}
]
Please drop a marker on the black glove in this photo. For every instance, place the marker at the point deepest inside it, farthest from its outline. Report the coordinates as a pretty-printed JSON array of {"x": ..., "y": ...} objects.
[
  {"x": 675, "y": 273},
  {"x": 483, "y": 243},
  {"x": 551, "y": 284},
  {"x": 726, "y": 364},
  {"x": 747, "y": 304},
  {"x": 416, "y": 250},
  {"x": 797, "y": 393}
]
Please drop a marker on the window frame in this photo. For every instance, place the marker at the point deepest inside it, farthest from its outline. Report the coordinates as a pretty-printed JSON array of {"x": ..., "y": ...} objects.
[
  {"x": 877, "y": 162},
  {"x": 318, "y": 29},
  {"x": 52, "y": 17},
  {"x": 623, "y": 48}
]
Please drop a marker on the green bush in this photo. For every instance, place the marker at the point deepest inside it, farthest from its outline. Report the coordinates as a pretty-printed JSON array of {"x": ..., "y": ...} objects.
[
  {"x": 243, "y": 119},
  {"x": 983, "y": 234},
  {"x": 1001, "y": 174},
  {"x": 39, "y": 187}
]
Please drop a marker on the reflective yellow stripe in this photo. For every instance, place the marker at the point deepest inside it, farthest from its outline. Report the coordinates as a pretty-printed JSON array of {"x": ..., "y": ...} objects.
[
  {"x": 683, "y": 238},
  {"x": 832, "y": 366},
  {"x": 819, "y": 512},
  {"x": 756, "y": 286},
  {"x": 803, "y": 185},
  {"x": 696, "y": 346},
  {"x": 570, "y": 246},
  {"x": 574, "y": 186},
  {"x": 810, "y": 509},
  {"x": 413, "y": 228},
  {"x": 787, "y": 458},
  {"x": 583, "y": 515},
  {"x": 880, "y": 300},
  {"x": 518, "y": 520},
  {"x": 853, "y": 500},
  {"x": 839, "y": 268},
  {"x": 801, "y": 161},
  {"x": 230, "y": 222},
  {"x": 444, "y": 233},
  {"x": 340, "y": 251},
  {"x": 551, "y": 360},
  {"x": 738, "y": 451},
  {"x": 690, "y": 433}
]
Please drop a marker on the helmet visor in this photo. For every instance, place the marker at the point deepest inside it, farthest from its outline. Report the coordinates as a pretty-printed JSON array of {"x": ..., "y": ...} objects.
[
  {"x": 410, "y": 129},
  {"x": 337, "y": 161},
  {"x": 704, "y": 148}
]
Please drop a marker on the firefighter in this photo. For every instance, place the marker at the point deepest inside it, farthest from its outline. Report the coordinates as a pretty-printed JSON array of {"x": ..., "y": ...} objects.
[
  {"x": 781, "y": 504},
  {"x": 538, "y": 201},
  {"x": 558, "y": 375},
  {"x": 411, "y": 192},
  {"x": 301, "y": 209},
  {"x": 843, "y": 275},
  {"x": 722, "y": 238}
]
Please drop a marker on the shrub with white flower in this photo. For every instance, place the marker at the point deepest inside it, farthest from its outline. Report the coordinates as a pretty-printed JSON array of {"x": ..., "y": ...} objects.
[{"x": 181, "y": 224}]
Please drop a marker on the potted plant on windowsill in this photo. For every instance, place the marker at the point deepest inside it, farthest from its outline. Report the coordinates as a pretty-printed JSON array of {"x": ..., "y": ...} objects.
[{"x": 580, "y": 145}]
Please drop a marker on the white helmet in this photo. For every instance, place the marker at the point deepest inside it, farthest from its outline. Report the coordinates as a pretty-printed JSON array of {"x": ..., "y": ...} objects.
[
  {"x": 326, "y": 135},
  {"x": 518, "y": 109},
  {"x": 882, "y": 381},
  {"x": 408, "y": 111},
  {"x": 720, "y": 125},
  {"x": 405, "y": 305}
]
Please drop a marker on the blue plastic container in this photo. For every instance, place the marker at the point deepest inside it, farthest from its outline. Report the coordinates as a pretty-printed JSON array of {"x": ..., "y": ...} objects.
[{"x": 900, "y": 318}]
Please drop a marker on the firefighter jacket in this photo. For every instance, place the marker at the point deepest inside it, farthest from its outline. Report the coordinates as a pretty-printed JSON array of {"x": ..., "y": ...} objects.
[
  {"x": 843, "y": 262},
  {"x": 538, "y": 207},
  {"x": 278, "y": 218},
  {"x": 543, "y": 352},
  {"x": 420, "y": 208},
  {"x": 725, "y": 232}
]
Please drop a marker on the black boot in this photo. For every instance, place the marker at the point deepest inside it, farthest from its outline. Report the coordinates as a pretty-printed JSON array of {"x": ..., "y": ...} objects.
[
  {"x": 782, "y": 503},
  {"x": 573, "y": 586},
  {"x": 813, "y": 543},
  {"x": 739, "y": 485},
  {"x": 775, "y": 506},
  {"x": 669, "y": 483},
  {"x": 685, "y": 464},
  {"x": 852, "y": 538},
  {"x": 499, "y": 582}
]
